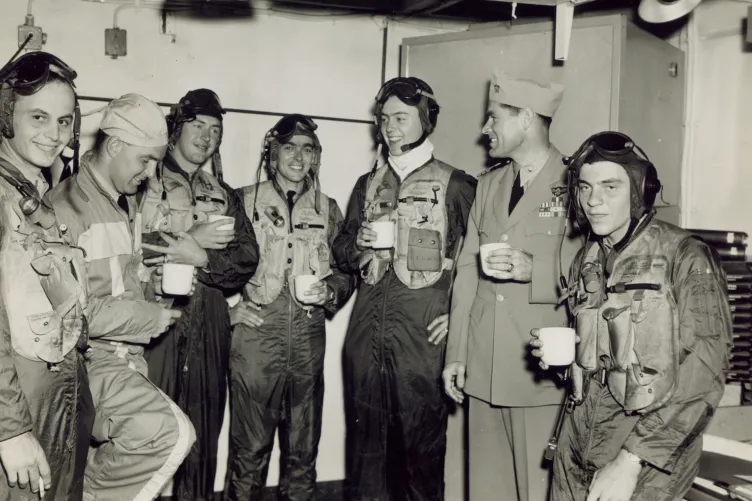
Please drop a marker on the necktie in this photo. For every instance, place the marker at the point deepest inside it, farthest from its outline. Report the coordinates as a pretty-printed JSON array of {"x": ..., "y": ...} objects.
[
  {"x": 123, "y": 203},
  {"x": 517, "y": 192},
  {"x": 290, "y": 199}
]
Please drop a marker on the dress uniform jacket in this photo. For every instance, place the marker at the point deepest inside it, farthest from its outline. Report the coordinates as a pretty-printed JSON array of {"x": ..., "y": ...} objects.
[{"x": 491, "y": 320}]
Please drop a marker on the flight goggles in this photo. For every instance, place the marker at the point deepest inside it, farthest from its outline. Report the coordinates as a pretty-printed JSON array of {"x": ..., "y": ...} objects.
[
  {"x": 32, "y": 70},
  {"x": 285, "y": 128},
  {"x": 612, "y": 146},
  {"x": 407, "y": 90}
]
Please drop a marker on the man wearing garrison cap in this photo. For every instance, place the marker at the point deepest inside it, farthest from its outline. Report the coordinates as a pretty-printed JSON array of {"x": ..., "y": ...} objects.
[
  {"x": 140, "y": 436},
  {"x": 512, "y": 407}
]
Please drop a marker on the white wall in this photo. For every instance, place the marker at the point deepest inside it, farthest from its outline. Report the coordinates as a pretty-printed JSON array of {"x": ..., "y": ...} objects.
[{"x": 326, "y": 66}]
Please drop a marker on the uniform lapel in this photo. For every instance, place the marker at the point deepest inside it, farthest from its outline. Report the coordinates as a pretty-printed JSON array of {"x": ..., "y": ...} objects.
[
  {"x": 538, "y": 191},
  {"x": 500, "y": 198}
]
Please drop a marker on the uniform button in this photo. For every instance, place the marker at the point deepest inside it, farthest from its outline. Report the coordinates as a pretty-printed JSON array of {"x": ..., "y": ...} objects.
[
  {"x": 504, "y": 237},
  {"x": 289, "y": 245},
  {"x": 195, "y": 216},
  {"x": 289, "y": 260},
  {"x": 548, "y": 232},
  {"x": 500, "y": 297}
]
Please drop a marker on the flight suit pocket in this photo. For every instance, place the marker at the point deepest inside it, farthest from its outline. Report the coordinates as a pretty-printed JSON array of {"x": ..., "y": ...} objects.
[
  {"x": 424, "y": 250},
  {"x": 620, "y": 331},
  {"x": 586, "y": 322}
]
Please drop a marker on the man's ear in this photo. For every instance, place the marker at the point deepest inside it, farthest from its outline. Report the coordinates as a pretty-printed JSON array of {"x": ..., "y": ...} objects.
[
  {"x": 528, "y": 117},
  {"x": 113, "y": 145}
]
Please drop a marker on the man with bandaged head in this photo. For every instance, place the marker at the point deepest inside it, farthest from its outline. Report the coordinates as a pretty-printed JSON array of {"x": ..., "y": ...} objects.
[
  {"x": 140, "y": 436},
  {"x": 394, "y": 349},
  {"x": 654, "y": 326},
  {"x": 521, "y": 207},
  {"x": 279, "y": 339},
  {"x": 46, "y": 412},
  {"x": 190, "y": 362}
]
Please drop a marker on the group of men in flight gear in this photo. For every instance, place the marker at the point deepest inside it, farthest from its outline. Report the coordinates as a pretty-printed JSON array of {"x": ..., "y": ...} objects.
[{"x": 111, "y": 388}]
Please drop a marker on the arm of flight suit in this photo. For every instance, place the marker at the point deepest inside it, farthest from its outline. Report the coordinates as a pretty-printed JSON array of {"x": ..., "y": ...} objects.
[
  {"x": 123, "y": 320},
  {"x": 346, "y": 253},
  {"x": 465, "y": 283},
  {"x": 345, "y": 250},
  {"x": 15, "y": 418},
  {"x": 548, "y": 265},
  {"x": 460, "y": 197},
  {"x": 705, "y": 339},
  {"x": 232, "y": 267},
  {"x": 342, "y": 283}
]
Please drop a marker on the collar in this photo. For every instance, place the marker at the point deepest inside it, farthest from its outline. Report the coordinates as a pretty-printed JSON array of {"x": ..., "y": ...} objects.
[
  {"x": 404, "y": 165},
  {"x": 106, "y": 185},
  {"x": 36, "y": 179},
  {"x": 528, "y": 173}
]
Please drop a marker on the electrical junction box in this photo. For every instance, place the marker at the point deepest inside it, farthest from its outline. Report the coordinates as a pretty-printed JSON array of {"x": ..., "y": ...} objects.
[
  {"x": 38, "y": 38},
  {"x": 115, "y": 42}
]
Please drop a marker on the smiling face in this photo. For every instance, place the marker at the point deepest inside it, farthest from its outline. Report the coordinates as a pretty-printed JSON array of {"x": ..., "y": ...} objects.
[
  {"x": 198, "y": 139},
  {"x": 132, "y": 165},
  {"x": 295, "y": 158},
  {"x": 400, "y": 125},
  {"x": 43, "y": 124},
  {"x": 604, "y": 196},
  {"x": 504, "y": 128}
]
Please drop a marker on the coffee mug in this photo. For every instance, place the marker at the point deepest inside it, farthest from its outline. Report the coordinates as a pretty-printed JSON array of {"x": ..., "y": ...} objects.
[
  {"x": 303, "y": 284},
  {"x": 384, "y": 234},
  {"x": 217, "y": 217},
  {"x": 177, "y": 279},
  {"x": 557, "y": 345}
]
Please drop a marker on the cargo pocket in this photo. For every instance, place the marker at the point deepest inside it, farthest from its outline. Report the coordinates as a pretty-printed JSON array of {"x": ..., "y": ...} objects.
[
  {"x": 424, "y": 250},
  {"x": 620, "y": 330},
  {"x": 586, "y": 322},
  {"x": 47, "y": 341}
]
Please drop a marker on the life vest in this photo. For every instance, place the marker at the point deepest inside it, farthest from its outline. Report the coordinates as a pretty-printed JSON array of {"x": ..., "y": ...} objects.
[
  {"x": 43, "y": 284},
  {"x": 290, "y": 245},
  {"x": 417, "y": 205},
  {"x": 634, "y": 333},
  {"x": 173, "y": 204}
]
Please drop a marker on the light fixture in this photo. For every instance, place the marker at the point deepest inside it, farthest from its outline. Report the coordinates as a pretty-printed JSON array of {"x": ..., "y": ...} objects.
[{"x": 662, "y": 11}]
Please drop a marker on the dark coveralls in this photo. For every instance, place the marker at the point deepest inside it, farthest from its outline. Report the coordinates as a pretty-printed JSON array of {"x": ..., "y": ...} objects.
[
  {"x": 396, "y": 409},
  {"x": 277, "y": 381},
  {"x": 190, "y": 361},
  {"x": 668, "y": 439}
]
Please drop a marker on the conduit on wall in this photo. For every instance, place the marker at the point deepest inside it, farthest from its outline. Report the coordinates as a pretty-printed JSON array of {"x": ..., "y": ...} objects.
[{"x": 247, "y": 112}]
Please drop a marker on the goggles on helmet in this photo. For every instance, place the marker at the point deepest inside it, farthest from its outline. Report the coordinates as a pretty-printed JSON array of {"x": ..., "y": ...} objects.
[
  {"x": 285, "y": 128},
  {"x": 612, "y": 146},
  {"x": 33, "y": 70},
  {"x": 407, "y": 90}
]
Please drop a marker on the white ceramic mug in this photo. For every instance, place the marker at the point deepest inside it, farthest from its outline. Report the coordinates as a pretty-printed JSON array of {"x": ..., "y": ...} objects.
[
  {"x": 557, "y": 345},
  {"x": 303, "y": 284},
  {"x": 485, "y": 249},
  {"x": 177, "y": 279},
  {"x": 384, "y": 234},
  {"x": 217, "y": 217}
]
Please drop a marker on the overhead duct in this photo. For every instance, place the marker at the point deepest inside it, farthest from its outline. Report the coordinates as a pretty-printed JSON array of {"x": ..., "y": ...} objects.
[
  {"x": 394, "y": 6},
  {"x": 663, "y": 11}
]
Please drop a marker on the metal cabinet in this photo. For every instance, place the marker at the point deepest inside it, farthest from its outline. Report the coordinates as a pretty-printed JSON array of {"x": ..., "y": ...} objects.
[{"x": 618, "y": 77}]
